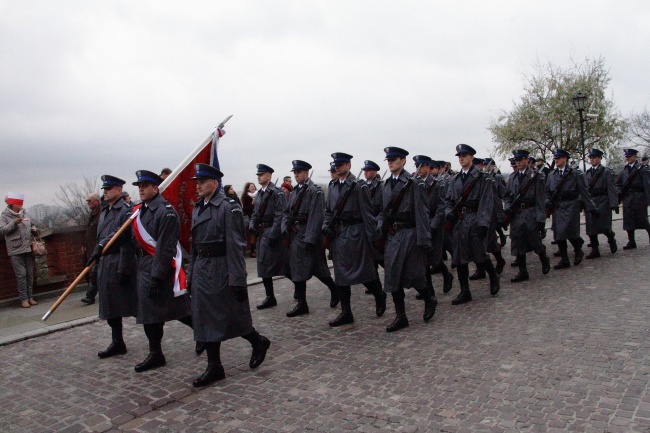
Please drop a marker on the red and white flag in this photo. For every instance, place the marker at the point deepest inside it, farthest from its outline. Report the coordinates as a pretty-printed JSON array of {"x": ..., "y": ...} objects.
[{"x": 180, "y": 190}]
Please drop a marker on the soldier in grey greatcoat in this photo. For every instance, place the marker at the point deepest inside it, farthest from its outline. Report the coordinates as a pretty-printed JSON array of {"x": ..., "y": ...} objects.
[
  {"x": 302, "y": 225},
  {"x": 116, "y": 266},
  {"x": 404, "y": 223},
  {"x": 564, "y": 202},
  {"x": 217, "y": 275},
  {"x": 436, "y": 206},
  {"x": 266, "y": 225},
  {"x": 373, "y": 180},
  {"x": 349, "y": 228},
  {"x": 157, "y": 302},
  {"x": 471, "y": 219},
  {"x": 635, "y": 195},
  {"x": 527, "y": 213},
  {"x": 602, "y": 189},
  {"x": 438, "y": 192}
]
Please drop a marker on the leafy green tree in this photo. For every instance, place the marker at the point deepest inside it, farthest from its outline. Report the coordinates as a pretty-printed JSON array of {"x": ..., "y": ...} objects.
[{"x": 546, "y": 119}]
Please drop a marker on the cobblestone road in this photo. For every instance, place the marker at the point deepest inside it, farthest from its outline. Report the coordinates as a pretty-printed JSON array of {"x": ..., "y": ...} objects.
[{"x": 566, "y": 352}]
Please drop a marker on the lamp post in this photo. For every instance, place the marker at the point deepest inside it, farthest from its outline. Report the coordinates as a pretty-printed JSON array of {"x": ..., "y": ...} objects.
[{"x": 580, "y": 101}]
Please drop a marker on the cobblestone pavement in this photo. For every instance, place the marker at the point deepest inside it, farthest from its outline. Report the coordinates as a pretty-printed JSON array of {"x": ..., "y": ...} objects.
[{"x": 568, "y": 351}]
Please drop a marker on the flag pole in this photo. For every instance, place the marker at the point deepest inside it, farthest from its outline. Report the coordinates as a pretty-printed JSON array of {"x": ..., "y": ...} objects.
[{"x": 128, "y": 222}]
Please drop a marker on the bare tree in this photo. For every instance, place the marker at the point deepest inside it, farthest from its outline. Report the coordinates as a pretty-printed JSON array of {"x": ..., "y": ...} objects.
[
  {"x": 639, "y": 132},
  {"x": 72, "y": 199}
]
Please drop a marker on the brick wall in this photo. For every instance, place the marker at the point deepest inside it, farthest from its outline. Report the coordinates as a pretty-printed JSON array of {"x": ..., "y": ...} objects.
[{"x": 61, "y": 265}]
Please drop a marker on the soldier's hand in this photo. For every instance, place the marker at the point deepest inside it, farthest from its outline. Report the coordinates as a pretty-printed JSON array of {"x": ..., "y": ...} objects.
[
  {"x": 123, "y": 278},
  {"x": 481, "y": 232},
  {"x": 254, "y": 232},
  {"x": 594, "y": 213},
  {"x": 452, "y": 218},
  {"x": 97, "y": 253},
  {"x": 155, "y": 288},
  {"x": 616, "y": 209},
  {"x": 428, "y": 248},
  {"x": 327, "y": 232},
  {"x": 18, "y": 221},
  {"x": 541, "y": 227}
]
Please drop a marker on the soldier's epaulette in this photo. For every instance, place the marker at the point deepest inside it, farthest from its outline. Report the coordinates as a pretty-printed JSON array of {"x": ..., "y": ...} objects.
[
  {"x": 332, "y": 181},
  {"x": 168, "y": 206},
  {"x": 279, "y": 192},
  {"x": 363, "y": 184}
]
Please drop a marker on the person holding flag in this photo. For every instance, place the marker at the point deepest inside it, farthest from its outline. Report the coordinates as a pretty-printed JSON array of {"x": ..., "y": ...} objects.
[
  {"x": 217, "y": 275},
  {"x": 161, "y": 280}
]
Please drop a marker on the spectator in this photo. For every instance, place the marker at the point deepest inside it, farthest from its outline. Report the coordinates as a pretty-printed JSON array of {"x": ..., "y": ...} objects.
[
  {"x": 287, "y": 188},
  {"x": 90, "y": 241},
  {"x": 287, "y": 180},
  {"x": 17, "y": 228},
  {"x": 165, "y": 172},
  {"x": 230, "y": 193},
  {"x": 127, "y": 198},
  {"x": 247, "y": 204}
]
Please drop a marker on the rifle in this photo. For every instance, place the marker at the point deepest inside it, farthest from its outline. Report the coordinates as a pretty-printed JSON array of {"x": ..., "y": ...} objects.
[
  {"x": 340, "y": 205},
  {"x": 391, "y": 210},
  {"x": 520, "y": 196},
  {"x": 258, "y": 229},
  {"x": 551, "y": 201},
  {"x": 294, "y": 212},
  {"x": 449, "y": 226},
  {"x": 628, "y": 183}
]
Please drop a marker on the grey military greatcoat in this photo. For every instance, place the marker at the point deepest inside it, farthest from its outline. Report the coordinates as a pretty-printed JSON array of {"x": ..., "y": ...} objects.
[
  {"x": 635, "y": 201},
  {"x": 467, "y": 245},
  {"x": 116, "y": 269},
  {"x": 161, "y": 221},
  {"x": 528, "y": 214},
  {"x": 436, "y": 193},
  {"x": 217, "y": 271},
  {"x": 355, "y": 230},
  {"x": 566, "y": 207},
  {"x": 605, "y": 197},
  {"x": 306, "y": 252},
  {"x": 272, "y": 255},
  {"x": 405, "y": 249}
]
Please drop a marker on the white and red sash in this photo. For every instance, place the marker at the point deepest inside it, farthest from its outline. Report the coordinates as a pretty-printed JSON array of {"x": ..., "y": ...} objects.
[{"x": 148, "y": 244}]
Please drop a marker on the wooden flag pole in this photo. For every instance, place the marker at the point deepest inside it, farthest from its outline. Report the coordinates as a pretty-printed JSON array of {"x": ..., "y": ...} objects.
[{"x": 128, "y": 223}]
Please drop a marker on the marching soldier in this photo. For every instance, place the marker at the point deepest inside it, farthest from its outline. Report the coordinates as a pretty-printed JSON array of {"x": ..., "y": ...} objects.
[
  {"x": 525, "y": 209},
  {"x": 302, "y": 225},
  {"x": 436, "y": 206},
  {"x": 437, "y": 217},
  {"x": 499, "y": 212},
  {"x": 373, "y": 180},
  {"x": 565, "y": 190},
  {"x": 217, "y": 275},
  {"x": 634, "y": 192},
  {"x": 116, "y": 282},
  {"x": 405, "y": 220},
  {"x": 266, "y": 224},
  {"x": 160, "y": 295},
  {"x": 469, "y": 210},
  {"x": 602, "y": 189},
  {"x": 350, "y": 227}
]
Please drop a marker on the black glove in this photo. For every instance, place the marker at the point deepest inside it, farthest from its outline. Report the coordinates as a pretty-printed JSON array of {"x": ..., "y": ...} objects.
[
  {"x": 254, "y": 232},
  {"x": 428, "y": 249},
  {"x": 94, "y": 257},
  {"x": 274, "y": 242},
  {"x": 452, "y": 218},
  {"x": 541, "y": 227},
  {"x": 123, "y": 278},
  {"x": 481, "y": 232},
  {"x": 616, "y": 209},
  {"x": 328, "y": 233},
  {"x": 155, "y": 288},
  {"x": 594, "y": 213},
  {"x": 550, "y": 206}
]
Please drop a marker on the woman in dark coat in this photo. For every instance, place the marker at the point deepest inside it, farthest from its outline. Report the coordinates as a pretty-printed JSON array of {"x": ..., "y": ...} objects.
[{"x": 248, "y": 205}]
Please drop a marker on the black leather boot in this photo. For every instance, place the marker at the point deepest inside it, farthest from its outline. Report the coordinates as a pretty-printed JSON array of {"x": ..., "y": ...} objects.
[
  {"x": 346, "y": 317},
  {"x": 113, "y": 349},
  {"x": 401, "y": 321},
  {"x": 613, "y": 247},
  {"x": 579, "y": 255},
  {"x": 300, "y": 309},
  {"x": 546, "y": 264},
  {"x": 430, "y": 304},
  {"x": 213, "y": 373},
  {"x": 594, "y": 254},
  {"x": 465, "y": 295},
  {"x": 563, "y": 264},
  {"x": 380, "y": 303},
  {"x": 153, "y": 360},
  {"x": 501, "y": 263},
  {"x": 259, "y": 352},
  {"x": 479, "y": 274},
  {"x": 199, "y": 348},
  {"x": 448, "y": 280},
  {"x": 268, "y": 302},
  {"x": 523, "y": 271}
]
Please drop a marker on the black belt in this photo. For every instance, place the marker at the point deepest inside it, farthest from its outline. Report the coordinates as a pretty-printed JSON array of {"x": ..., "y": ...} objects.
[
  {"x": 216, "y": 249},
  {"x": 568, "y": 197},
  {"x": 402, "y": 225},
  {"x": 526, "y": 205},
  {"x": 598, "y": 193},
  {"x": 468, "y": 209},
  {"x": 266, "y": 225}
]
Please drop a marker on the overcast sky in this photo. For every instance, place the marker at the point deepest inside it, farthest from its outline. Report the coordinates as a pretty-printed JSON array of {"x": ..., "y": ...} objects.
[{"x": 108, "y": 87}]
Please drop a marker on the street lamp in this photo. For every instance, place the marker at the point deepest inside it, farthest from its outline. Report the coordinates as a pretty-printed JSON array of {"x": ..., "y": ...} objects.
[{"x": 580, "y": 101}]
